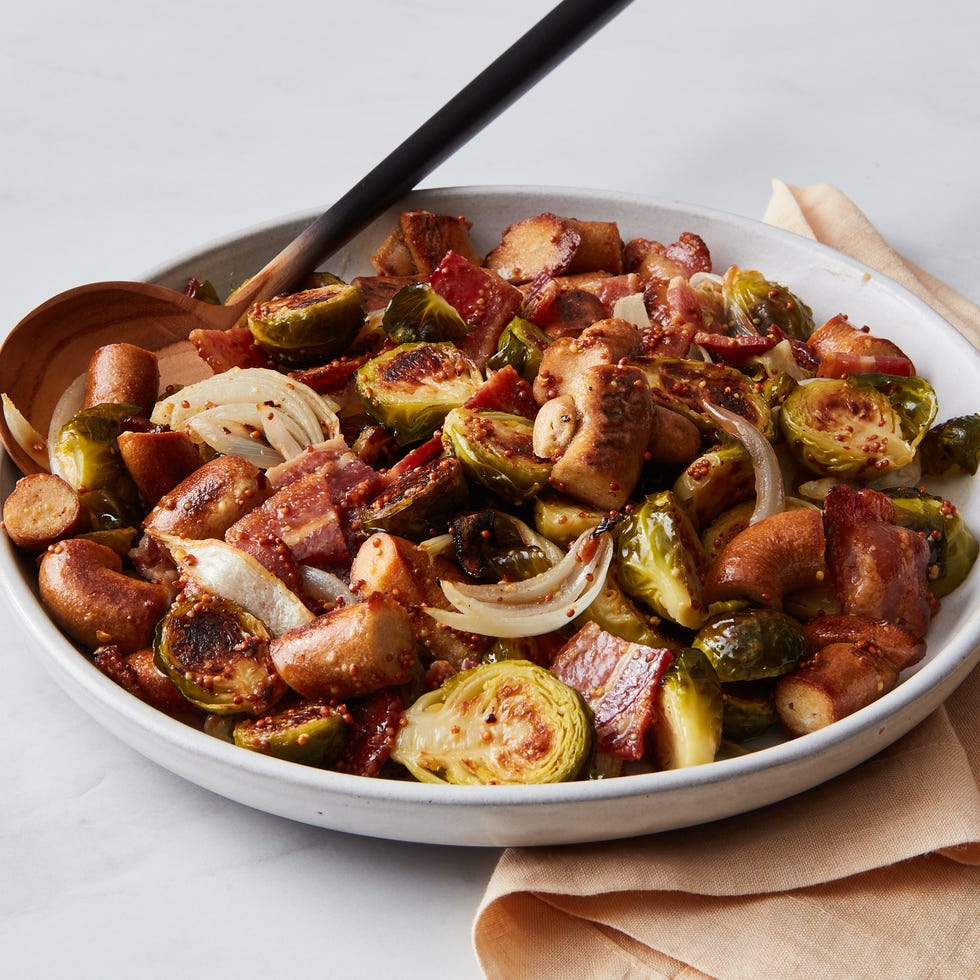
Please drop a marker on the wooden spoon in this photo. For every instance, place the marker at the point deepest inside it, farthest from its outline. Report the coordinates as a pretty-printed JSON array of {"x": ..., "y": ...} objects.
[{"x": 51, "y": 346}]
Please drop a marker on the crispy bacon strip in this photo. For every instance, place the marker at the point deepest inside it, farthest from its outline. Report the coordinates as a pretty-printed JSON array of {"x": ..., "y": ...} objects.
[{"x": 619, "y": 680}]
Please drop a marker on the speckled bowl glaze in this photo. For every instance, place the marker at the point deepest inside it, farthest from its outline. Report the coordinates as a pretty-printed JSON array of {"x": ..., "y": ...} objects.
[{"x": 572, "y": 812}]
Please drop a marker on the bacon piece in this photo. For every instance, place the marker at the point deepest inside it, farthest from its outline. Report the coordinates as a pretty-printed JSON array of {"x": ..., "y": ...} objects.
[
  {"x": 373, "y": 727},
  {"x": 304, "y": 516},
  {"x": 504, "y": 391},
  {"x": 619, "y": 680},
  {"x": 224, "y": 349},
  {"x": 838, "y": 336},
  {"x": 332, "y": 377},
  {"x": 415, "y": 458},
  {"x": 485, "y": 301},
  {"x": 653, "y": 260},
  {"x": 733, "y": 350},
  {"x": 839, "y": 364},
  {"x": 879, "y": 569},
  {"x": 350, "y": 480},
  {"x": 139, "y": 675},
  {"x": 609, "y": 290}
]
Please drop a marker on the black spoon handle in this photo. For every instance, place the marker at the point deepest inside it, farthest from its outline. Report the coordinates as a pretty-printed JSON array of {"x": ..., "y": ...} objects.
[{"x": 521, "y": 66}]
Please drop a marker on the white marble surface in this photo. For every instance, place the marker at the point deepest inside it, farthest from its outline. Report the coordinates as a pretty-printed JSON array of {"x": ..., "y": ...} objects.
[{"x": 133, "y": 132}]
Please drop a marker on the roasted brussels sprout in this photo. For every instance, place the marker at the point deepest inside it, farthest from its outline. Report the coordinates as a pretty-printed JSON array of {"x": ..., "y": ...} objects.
[
  {"x": 492, "y": 546},
  {"x": 418, "y": 314},
  {"x": 681, "y": 384},
  {"x": 952, "y": 545},
  {"x": 561, "y": 519},
  {"x": 497, "y": 450},
  {"x": 509, "y": 722},
  {"x": 749, "y": 709},
  {"x": 857, "y": 428},
  {"x": 418, "y": 504},
  {"x": 749, "y": 644},
  {"x": 307, "y": 327},
  {"x": 521, "y": 345},
  {"x": 952, "y": 447},
  {"x": 659, "y": 560},
  {"x": 717, "y": 480},
  {"x": 311, "y": 733},
  {"x": 754, "y": 304},
  {"x": 217, "y": 655},
  {"x": 687, "y": 726},
  {"x": 411, "y": 388},
  {"x": 614, "y": 613},
  {"x": 86, "y": 456}
]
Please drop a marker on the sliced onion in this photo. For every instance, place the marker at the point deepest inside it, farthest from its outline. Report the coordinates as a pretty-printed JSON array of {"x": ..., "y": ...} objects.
[
  {"x": 229, "y": 573},
  {"x": 535, "y": 606},
  {"x": 632, "y": 309},
  {"x": 288, "y": 414},
  {"x": 24, "y": 434},
  {"x": 326, "y": 587},
  {"x": 770, "y": 495}
]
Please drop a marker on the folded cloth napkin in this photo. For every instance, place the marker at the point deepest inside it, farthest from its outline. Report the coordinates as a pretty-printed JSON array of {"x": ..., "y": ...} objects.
[{"x": 871, "y": 875}]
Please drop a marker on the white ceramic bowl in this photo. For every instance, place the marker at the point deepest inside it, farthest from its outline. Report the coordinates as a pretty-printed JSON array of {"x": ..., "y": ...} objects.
[{"x": 584, "y": 811}]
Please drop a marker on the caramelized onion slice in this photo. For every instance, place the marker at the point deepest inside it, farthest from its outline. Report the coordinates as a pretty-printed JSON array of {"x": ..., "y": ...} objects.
[
  {"x": 537, "y": 605},
  {"x": 770, "y": 495}
]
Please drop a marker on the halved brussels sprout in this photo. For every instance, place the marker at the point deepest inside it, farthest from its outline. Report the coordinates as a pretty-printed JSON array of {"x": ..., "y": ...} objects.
[
  {"x": 659, "y": 560},
  {"x": 217, "y": 655},
  {"x": 952, "y": 447},
  {"x": 520, "y": 345},
  {"x": 681, "y": 385},
  {"x": 561, "y": 519},
  {"x": 615, "y": 614},
  {"x": 411, "y": 388},
  {"x": 510, "y": 722},
  {"x": 418, "y": 314},
  {"x": 952, "y": 546},
  {"x": 307, "y": 327},
  {"x": 753, "y": 304},
  {"x": 418, "y": 504},
  {"x": 749, "y": 644},
  {"x": 311, "y": 733},
  {"x": 497, "y": 450},
  {"x": 717, "y": 480},
  {"x": 86, "y": 456},
  {"x": 687, "y": 726},
  {"x": 857, "y": 428},
  {"x": 491, "y": 546},
  {"x": 749, "y": 709}
]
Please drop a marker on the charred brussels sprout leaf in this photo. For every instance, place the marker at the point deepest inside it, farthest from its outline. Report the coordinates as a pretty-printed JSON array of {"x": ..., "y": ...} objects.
[
  {"x": 680, "y": 384},
  {"x": 521, "y": 345},
  {"x": 852, "y": 429},
  {"x": 311, "y": 733},
  {"x": 952, "y": 447},
  {"x": 687, "y": 728},
  {"x": 307, "y": 327},
  {"x": 754, "y": 304},
  {"x": 217, "y": 654},
  {"x": 86, "y": 455},
  {"x": 418, "y": 504},
  {"x": 659, "y": 560},
  {"x": 717, "y": 480},
  {"x": 497, "y": 450},
  {"x": 952, "y": 545},
  {"x": 418, "y": 314},
  {"x": 411, "y": 388},
  {"x": 491, "y": 546},
  {"x": 750, "y": 644},
  {"x": 913, "y": 399},
  {"x": 509, "y": 722}
]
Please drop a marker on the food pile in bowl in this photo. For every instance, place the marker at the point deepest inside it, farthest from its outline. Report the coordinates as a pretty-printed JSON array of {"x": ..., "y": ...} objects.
[{"x": 575, "y": 508}]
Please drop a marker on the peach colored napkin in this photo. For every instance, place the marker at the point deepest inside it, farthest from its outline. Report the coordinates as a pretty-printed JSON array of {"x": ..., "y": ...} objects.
[{"x": 872, "y": 875}]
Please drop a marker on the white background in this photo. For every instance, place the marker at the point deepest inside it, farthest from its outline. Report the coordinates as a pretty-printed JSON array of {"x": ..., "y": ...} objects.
[{"x": 132, "y": 132}]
